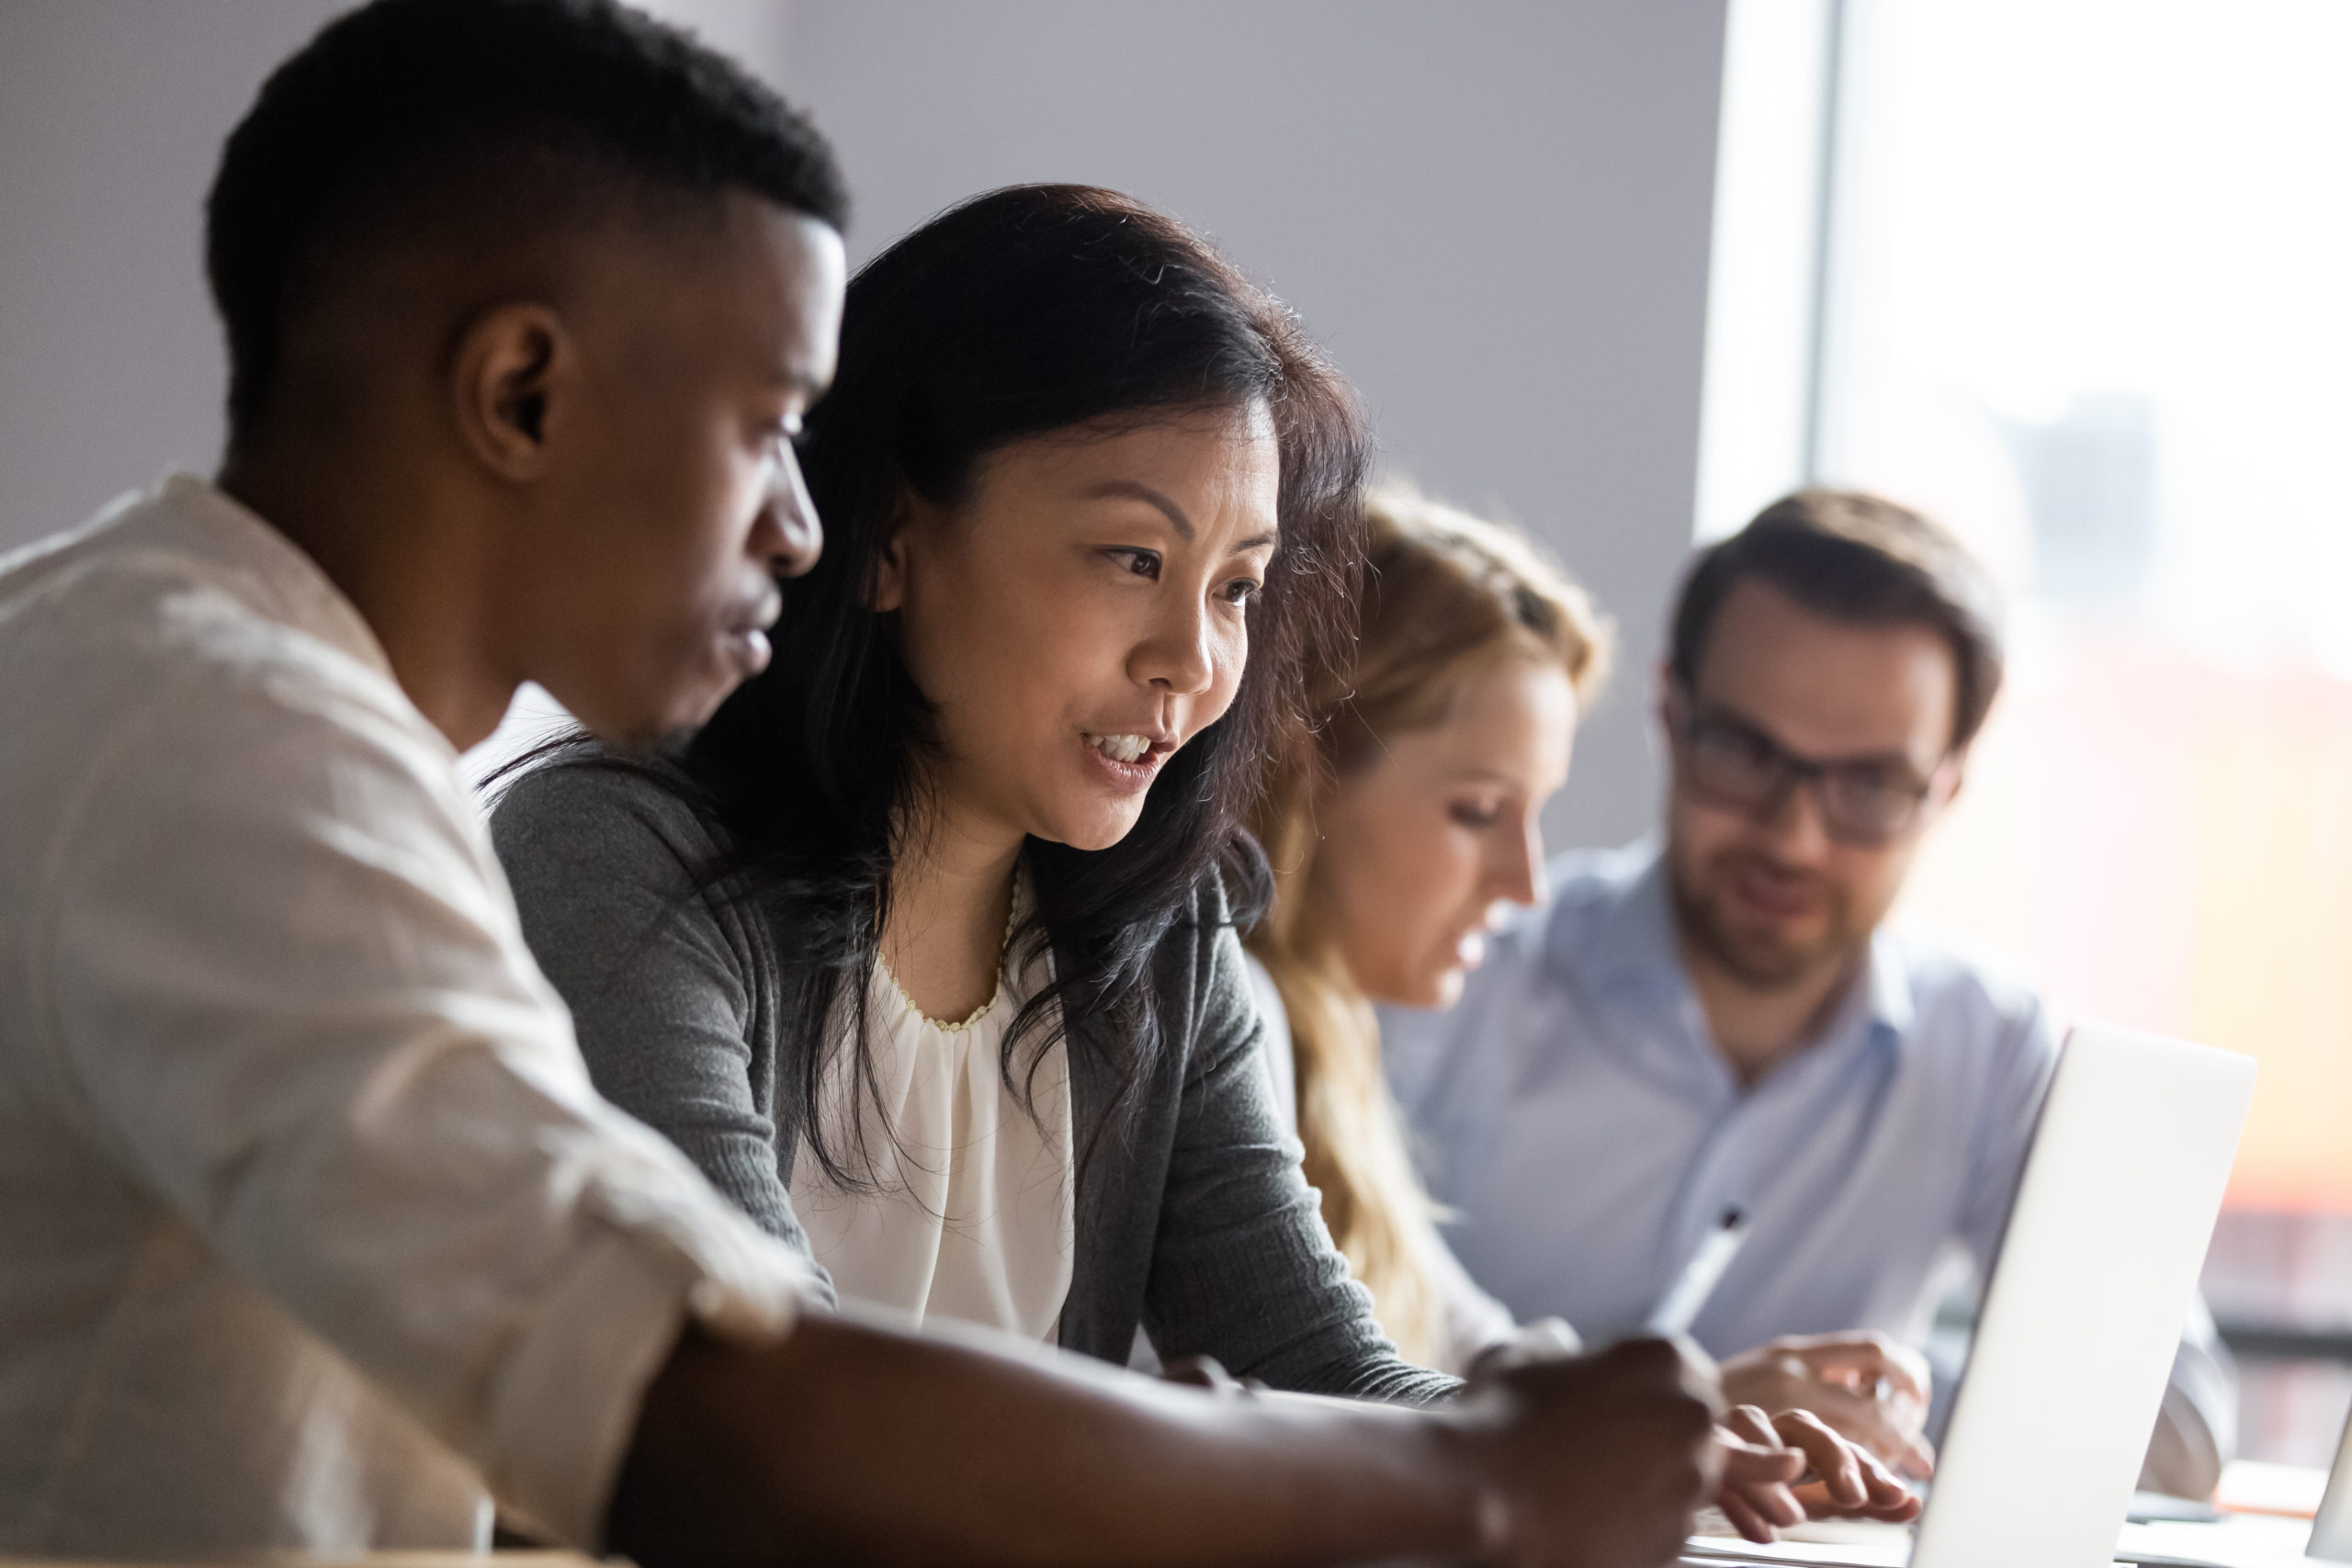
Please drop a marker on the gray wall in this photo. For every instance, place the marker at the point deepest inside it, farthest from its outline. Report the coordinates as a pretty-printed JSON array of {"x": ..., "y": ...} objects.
[
  {"x": 111, "y": 114},
  {"x": 1496, "y": 215}
]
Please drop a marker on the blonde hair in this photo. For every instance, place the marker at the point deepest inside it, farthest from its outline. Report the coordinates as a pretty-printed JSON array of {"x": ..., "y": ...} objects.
[{"x": 1447, "y": 597}]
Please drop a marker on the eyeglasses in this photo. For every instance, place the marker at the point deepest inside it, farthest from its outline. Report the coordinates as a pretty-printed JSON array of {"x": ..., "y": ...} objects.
[{"x": 1728, "y": 762}]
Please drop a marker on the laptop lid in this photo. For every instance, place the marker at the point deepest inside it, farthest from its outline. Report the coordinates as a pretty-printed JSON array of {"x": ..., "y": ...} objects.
[
  {"x": 2332, "y": 1528},
  {"x": 2082, "y": 1316}
]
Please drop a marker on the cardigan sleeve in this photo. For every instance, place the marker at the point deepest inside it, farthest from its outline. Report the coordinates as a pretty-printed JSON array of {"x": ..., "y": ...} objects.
[
  {"x": 1243, "y": 1268},
  {"x": 662, "y": 984}
]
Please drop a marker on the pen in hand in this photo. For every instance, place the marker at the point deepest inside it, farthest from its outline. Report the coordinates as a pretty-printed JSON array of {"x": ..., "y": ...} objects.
[{"x": 1680, "y": 1306}]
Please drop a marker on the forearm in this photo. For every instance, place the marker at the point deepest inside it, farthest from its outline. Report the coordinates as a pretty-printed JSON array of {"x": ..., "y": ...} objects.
[{"x": 855, "y": 1444}]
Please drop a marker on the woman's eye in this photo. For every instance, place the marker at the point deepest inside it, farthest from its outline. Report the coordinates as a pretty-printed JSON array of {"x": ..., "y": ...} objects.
[
  {"x": 1471, "y": 816},
  {"x": 1241, "y": 589},
  {"x": 1142, "y": 563}
]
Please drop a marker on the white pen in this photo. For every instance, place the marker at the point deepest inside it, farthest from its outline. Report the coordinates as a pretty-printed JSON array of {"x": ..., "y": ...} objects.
[{"x": 1682, "y": 1304}]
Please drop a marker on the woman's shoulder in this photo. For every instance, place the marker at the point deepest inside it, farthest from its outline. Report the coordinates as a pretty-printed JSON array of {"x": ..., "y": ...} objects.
[
  {"x": 1267, "y": 995},
  {"x": 1232, "y": 892},
  {"x": 588, "y": 805}
]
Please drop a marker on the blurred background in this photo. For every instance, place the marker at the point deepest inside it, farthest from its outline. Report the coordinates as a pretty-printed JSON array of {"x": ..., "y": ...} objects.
[{"x": 2074, "y": 275}]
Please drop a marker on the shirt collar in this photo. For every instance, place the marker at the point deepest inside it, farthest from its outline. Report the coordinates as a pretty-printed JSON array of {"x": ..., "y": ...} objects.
[
  {"x": 1624, "y": 943},
  {"x": 1885, "y": 981},
  {"x": 294, "y": 589}
]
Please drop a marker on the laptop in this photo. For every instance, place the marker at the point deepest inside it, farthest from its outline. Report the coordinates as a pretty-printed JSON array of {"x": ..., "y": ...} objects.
[
  {"x": 2081, "y": 1317},
  {"x": 2330, "y": 1538}
]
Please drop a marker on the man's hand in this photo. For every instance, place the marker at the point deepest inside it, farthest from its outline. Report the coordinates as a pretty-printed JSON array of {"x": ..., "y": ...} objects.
[
  {"x": 1866, "y": 1387},
  {"x": 1590, "y": 1461},
  {"x": 1781, "y": 1470}
]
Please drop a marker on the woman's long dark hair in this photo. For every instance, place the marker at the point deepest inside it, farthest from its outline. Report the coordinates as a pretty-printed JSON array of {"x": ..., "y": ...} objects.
[{"x": 1034, "y": 310}]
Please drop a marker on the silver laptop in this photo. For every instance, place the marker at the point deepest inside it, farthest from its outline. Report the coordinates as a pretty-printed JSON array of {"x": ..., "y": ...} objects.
[
  {"x": 2331, "y": 1538},
  {"x": 2081, "y": 1319}
]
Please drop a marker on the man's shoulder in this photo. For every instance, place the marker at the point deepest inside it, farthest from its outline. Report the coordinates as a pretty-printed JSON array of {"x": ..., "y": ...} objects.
[
  {"x": 148, "y": 593},
  {"x": 138, "y": 646},
  {"x": 1942, "y": 960},
  {"x": 1962, "y": 988}
]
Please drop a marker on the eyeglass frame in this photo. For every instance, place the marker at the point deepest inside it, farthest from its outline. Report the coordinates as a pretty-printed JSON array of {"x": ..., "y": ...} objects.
[{"x": 1791, "y": 769}]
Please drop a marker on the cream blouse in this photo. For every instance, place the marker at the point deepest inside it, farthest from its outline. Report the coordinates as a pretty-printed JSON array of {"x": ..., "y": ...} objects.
[{"x": 973, "y": 1213}]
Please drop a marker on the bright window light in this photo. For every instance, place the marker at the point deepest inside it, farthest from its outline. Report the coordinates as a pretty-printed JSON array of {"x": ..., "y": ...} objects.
[{"x": 2083, "y": 291}]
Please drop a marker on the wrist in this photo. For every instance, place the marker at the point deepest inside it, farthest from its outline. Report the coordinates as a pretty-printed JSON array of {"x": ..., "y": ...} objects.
[{"x": 1464, "y": 1458}]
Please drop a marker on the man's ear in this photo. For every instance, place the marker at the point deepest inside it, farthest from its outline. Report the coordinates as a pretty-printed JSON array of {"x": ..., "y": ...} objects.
[
  {"x": 508, "y": 381},
  {"x": 1955, "y": 770},
  {"x": 1662, "y": 695}
]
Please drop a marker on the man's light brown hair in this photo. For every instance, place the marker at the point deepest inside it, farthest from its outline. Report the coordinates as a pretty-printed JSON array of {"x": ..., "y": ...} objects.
[{"x": 1862, "y": 559}]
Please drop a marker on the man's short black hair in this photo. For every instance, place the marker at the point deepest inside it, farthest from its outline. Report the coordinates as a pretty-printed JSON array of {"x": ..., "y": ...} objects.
[
  {"x": 354, "y": 135},
  {"x": 1859, "y": 559}
]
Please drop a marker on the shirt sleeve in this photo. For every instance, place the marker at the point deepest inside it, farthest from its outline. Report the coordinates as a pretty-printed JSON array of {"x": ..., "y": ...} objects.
[
  {"x": 1275, "y": 1048},
  {"x": 1472, "y": 1321},
  {"x": 286, "y": 991},
  {"x": 1243, "y": 1268},
  {"x": 2197, "y": 1426}
]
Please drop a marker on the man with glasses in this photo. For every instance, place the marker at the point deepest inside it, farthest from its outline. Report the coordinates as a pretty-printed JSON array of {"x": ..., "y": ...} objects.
[{"x": 1726, "y": 1020}]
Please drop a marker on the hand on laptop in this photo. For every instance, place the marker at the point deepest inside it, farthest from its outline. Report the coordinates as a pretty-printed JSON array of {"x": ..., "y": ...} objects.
[
  {"x": 1783, "y": 1470},
  {"x": 1866, "y": 1387}
]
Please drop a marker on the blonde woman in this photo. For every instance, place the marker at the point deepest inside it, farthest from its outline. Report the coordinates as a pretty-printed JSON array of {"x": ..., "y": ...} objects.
[
  {"x": 1397, "y": 825},
  {"x": 1395, "y": 828}
]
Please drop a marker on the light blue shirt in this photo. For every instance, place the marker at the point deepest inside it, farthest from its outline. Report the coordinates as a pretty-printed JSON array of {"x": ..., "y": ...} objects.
[{"x": 1576, "y": 1115}]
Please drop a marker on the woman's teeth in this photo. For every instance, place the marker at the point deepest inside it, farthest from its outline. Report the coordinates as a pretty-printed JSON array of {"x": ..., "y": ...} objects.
[{"x": 1122, "y": 748}]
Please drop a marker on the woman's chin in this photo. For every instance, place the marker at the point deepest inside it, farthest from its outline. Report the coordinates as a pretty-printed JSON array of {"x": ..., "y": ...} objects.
[
  {"x": 1095, "y": 828},
  {"x": 1431, "y": 991}
]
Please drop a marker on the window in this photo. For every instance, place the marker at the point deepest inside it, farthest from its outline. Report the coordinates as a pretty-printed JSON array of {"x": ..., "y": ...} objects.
[{"x": 2082, "y": 289}]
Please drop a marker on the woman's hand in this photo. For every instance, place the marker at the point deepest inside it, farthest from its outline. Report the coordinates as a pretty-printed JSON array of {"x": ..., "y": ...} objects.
[
  {"x": 1781, "y": 1470},
  {"x": 1867, "y": 1388}
]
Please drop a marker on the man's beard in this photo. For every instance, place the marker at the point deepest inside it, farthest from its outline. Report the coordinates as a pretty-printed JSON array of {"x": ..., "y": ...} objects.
[{"x": 1755, "y": 957}]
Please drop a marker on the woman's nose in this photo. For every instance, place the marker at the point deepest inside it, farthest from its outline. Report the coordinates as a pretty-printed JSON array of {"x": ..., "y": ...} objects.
[
  {"x": 1518, "y": 871},
  {"x": 1178, "y": 654}
]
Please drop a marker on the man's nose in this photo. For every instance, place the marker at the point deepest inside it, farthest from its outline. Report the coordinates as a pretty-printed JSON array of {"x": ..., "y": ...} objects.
[
  {"x": 1796, "y": 826},
  {"x": 792, "y": 538}
]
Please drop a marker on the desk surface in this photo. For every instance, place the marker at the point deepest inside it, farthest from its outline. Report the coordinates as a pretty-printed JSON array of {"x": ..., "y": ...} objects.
[{"x": 2273, "y": 1505}]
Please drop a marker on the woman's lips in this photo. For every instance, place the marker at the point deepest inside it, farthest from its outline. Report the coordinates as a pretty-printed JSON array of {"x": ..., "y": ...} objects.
[{"x": 1130, "y": 759}]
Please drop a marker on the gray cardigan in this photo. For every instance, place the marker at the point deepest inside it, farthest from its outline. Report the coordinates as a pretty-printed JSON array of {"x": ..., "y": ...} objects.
[{"x": 1197, "y": 1223}]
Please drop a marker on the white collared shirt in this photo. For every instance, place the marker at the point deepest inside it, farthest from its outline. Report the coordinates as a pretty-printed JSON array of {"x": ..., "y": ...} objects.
[{"x": 313, "y": 1231}]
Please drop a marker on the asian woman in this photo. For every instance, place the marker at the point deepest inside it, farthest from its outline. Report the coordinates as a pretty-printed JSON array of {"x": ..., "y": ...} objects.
[{"x": 926, "y": 947}]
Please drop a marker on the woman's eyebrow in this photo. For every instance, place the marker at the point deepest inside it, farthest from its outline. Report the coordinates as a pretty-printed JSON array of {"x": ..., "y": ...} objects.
[
  {"x": 1133, "y": 489},
  {"x": 1255, "y": 541}
]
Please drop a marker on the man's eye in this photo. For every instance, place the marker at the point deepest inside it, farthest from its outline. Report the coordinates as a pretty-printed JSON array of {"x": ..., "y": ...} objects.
[
  {"x": 1143, "y": 563},
  {"x": 1739, "y": 750}
]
